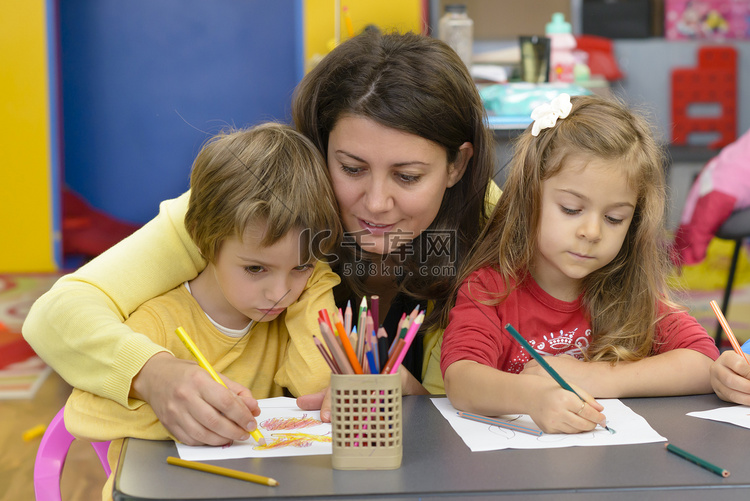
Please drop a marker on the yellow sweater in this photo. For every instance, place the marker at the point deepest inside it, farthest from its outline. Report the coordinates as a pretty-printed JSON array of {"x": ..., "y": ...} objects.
[
  {"x": 266, "y": 360},
  {"x": 270, "y": 357},
  {"x": 77, "y": 326}
]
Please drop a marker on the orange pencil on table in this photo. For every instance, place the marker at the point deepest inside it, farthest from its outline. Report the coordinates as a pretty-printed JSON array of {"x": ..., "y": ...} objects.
[
  {"x": 728, "y": 330},
  {"x": 220, "y": 470},
  {"x": 348, "y": 347}
]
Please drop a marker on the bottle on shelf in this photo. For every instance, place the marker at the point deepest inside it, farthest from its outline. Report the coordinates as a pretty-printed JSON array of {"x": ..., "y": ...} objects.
[
  {"x": 456, "y": 29},
  {"x": 562, "y": 44}
]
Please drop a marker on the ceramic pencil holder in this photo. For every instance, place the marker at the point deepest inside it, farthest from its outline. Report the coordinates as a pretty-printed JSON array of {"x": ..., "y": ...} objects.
[{"x": 366, "y": 416}]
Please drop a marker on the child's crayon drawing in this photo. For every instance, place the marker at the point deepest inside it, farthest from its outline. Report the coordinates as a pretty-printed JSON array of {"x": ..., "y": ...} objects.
[
  {"x": 289, "y": 423},
  {"x": 631, "y": 429},
  {"x": 287, "y": 429},
  {"x": 279, "y": 440}
]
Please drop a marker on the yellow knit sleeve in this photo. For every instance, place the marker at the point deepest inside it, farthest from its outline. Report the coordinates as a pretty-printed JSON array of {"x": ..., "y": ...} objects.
[
  {"x": 432, "y": 377},
  {"x": 77, "y": 326},
  {"x": 98, "y": 419},
  {"x": 304, "y": 370}
]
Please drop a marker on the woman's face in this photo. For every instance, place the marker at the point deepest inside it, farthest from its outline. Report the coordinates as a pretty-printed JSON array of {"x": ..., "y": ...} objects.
[{"x": 389, "y": 184}]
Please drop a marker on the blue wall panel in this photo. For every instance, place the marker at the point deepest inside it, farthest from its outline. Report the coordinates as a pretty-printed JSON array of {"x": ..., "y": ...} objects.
[{"x": 144, "y": 84}]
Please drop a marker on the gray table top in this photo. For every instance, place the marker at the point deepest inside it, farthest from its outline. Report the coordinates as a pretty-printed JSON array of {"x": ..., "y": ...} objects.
[{"x": 438, "y": 465}]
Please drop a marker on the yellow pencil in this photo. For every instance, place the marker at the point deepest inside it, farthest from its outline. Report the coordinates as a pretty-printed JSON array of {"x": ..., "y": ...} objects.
[
  {"x": 728, "y": 330},
  {"x": 191, "y": 346},
  {"x": 220, "y": 470}
]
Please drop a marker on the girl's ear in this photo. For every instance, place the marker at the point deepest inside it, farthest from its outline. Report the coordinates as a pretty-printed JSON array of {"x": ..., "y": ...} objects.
[{"x": 458, "y": 168}]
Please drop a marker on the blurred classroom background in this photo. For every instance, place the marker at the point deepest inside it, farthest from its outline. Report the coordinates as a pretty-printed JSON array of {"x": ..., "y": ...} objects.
[{"x": 106, "y": 103}]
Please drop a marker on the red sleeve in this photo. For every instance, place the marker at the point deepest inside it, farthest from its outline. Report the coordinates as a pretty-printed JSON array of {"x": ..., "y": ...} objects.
[
  {"x": 473, "y": 331},
  {"x": 680, "y": 330}
]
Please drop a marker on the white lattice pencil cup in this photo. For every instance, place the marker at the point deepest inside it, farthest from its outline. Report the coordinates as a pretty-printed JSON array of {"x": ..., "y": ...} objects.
[{"x": 366, "y": 420}]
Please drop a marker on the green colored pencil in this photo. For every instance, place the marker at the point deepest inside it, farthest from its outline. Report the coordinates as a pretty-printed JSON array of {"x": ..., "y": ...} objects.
[
  {"x": 695, "y": 459},
  {"x": 547, "y": 367}
]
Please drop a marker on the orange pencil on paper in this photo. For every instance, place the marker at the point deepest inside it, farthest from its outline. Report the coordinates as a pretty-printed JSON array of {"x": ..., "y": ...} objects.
[
  {"x": 220, "y": 470},
  {"x": 193, "y": 348},
  {"x": 728, "y": 330},
  {"x": 348, "y": 347}
]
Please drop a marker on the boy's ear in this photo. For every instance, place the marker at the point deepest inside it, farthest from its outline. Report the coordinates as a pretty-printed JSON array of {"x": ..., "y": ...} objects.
[{"x": 458, "y": 168}]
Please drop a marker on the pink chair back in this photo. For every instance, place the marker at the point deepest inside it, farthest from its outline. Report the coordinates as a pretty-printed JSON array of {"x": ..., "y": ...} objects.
[{"x": 50, "y": 459}]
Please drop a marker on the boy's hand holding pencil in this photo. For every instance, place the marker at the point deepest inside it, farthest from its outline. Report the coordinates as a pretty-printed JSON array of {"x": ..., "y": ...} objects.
[
  {"x": 217, "y": 402},
  {"x": 193, "y": 421}
]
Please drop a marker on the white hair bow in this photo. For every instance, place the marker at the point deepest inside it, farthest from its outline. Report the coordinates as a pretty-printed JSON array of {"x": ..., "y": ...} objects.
[{"x": 546, "y": 115}]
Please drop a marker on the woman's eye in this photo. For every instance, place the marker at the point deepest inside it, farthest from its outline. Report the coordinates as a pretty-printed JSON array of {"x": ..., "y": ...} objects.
[
  {"x": 406, "y": 178},
  {"x": 304, "y": 267},
  {"x": 253, "y": 269},
  {"x": 613, "y": 220},
  {"x": 351, "y": 171}
]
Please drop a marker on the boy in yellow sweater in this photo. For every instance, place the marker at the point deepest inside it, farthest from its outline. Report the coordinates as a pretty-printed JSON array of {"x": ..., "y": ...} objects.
[{"x": 263, "y": 213}]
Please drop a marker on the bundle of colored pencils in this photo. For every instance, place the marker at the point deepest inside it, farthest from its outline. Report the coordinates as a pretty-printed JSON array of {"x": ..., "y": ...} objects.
[{"x": 350, "y": 348}]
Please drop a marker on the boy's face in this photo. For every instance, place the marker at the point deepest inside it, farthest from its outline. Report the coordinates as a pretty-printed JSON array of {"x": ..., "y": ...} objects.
[
  {"x": 255, "y": 282},
  {"x": 587, "y": 209}
]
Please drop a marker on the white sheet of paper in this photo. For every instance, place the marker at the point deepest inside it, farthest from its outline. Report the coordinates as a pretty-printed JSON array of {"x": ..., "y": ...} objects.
[
  {"x": 630, "y": 428},
  {"x": 278, "y": 421},
  {"x": 738, "y": 414}
]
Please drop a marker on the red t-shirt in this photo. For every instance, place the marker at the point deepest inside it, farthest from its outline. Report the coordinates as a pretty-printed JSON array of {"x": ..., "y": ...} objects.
[{"x": 476, "y": 331}]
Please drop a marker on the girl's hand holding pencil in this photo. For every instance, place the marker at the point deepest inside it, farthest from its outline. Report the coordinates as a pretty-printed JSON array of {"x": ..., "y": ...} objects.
[
  {"x": 730, "y": 373},
  {"x": 557, "y": 410}
]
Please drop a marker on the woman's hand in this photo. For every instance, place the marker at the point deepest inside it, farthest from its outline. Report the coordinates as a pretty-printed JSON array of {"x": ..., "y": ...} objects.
[
  {"x": 322, "y": 399},
  {"x": 730, "y": 378},
  {"x": 191, "y": 405},
  {"x": 317, "y": 401}
]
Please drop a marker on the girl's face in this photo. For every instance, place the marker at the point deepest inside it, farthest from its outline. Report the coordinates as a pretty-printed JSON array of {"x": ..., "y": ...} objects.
[
  {"x": 586, "y": 211},
  {"x": 389, "y": 184}
]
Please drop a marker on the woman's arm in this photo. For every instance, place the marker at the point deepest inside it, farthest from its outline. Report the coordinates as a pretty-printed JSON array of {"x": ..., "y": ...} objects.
[{"x": 76, "y": 327}]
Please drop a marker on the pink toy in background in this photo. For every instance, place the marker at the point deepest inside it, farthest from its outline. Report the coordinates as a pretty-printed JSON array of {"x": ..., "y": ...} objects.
[
  {"x": 706, "y": 19},
  {"x": 722, "y": 187}
]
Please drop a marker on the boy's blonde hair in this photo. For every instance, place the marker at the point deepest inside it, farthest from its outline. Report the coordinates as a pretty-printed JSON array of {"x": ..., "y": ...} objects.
[
  {"x": 270, "y": 173},
  {"x": 623, "y": 298}
]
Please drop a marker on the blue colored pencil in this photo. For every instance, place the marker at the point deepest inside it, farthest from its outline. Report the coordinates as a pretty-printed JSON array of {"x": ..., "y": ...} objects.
[{"x": 500, "y": 423}]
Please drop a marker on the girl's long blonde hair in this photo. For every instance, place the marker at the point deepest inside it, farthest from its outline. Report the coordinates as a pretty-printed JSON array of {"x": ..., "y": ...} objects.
[{"x": 625, "y": 298}]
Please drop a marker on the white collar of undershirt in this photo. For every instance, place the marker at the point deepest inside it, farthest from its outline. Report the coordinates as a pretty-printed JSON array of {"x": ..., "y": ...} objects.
[{"x": 236, "y": 333}]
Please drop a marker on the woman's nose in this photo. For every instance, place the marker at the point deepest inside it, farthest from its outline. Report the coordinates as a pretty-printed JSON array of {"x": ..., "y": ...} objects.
[{"x": 378, "y": 197}]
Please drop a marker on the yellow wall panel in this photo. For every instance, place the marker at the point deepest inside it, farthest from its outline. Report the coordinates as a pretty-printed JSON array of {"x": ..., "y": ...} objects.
[
  {"x": 388, "y": 15},
  {"x": 25, "y": 179}
]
